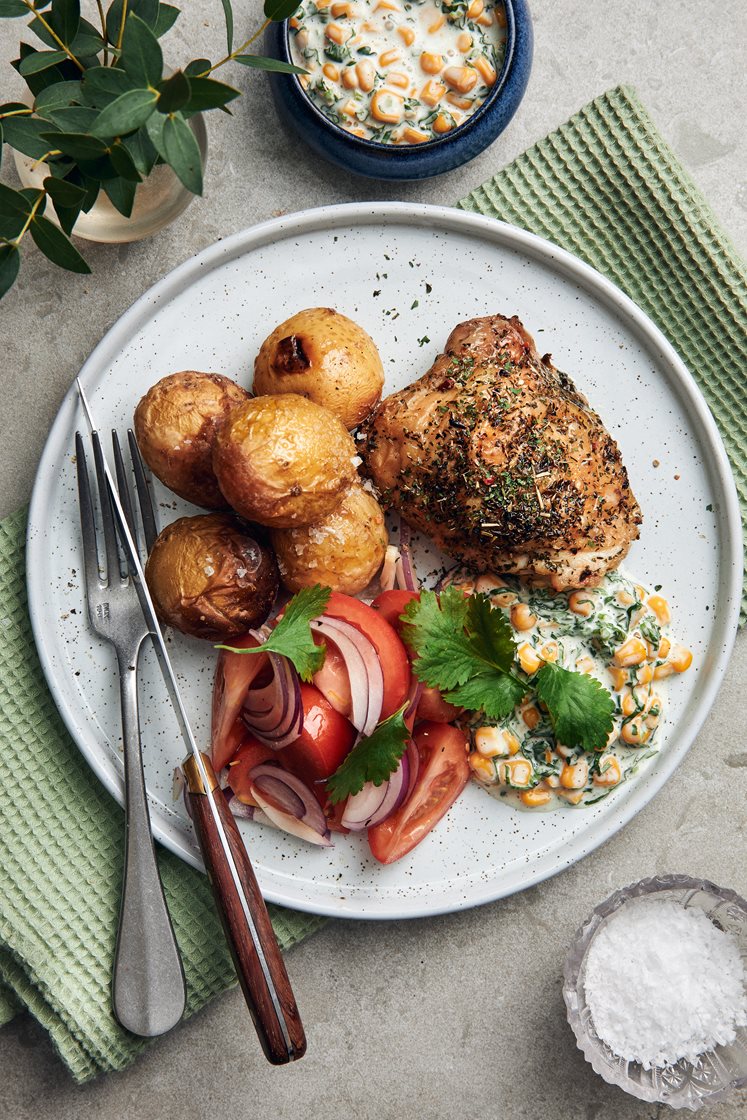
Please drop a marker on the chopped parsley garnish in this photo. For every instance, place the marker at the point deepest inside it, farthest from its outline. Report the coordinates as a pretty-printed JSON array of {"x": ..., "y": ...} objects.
[
  {"x": 373, "y": 759},
  {"x": 292, "y": 636}
]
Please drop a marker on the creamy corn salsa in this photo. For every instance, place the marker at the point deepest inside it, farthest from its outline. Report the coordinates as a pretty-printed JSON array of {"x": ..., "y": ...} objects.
[
  {"x": 618, "y": 632},
  {"x": 398, "y": 71}
]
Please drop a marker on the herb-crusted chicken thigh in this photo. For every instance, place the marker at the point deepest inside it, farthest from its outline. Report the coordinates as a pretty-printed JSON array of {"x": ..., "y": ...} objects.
[{"x": 500, "y": 460}]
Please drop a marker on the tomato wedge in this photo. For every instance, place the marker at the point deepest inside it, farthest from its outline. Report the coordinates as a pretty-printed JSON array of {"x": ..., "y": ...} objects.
[
  {"x": 392, "y": 654},
  {"x": 324, "y": 742},
  {"x": 391, "y": 604},
  {"x": 434, "y": 708},
  {"x": 444, "y": 772},
  {"x": 233, "y": 675},
  {"x": 251, "y": 753}
]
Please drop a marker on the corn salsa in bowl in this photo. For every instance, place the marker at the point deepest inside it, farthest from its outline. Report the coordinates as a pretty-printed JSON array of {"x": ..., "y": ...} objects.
[
  {"x": 402, "y": 89},
  {"x": 399, "y": 72}
]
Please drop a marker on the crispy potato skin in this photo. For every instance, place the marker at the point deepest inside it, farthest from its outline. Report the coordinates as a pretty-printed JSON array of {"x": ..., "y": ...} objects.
[
  {"x": 344, "y": 551},
  {"x": 283, "y": 460},
  {"x": 210, "y": 578},
  {"x": 326, "y": 357},
  {"x": 175, "y": 424}
]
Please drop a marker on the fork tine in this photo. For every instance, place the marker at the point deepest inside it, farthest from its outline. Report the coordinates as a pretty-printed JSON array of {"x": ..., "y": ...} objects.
[
  {"x": 113, "y": 568},
  {"x": 150, "y": 525},
  {"x": 123, "y": 485},
  {"x": 87, "y": 522}
]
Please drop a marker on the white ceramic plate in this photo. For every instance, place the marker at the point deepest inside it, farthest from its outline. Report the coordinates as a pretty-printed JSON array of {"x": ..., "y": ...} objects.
[{"x": 407, "y": 274}]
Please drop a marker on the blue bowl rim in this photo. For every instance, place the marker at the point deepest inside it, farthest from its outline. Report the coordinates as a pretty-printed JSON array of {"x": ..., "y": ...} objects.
[{"x": 403, "y": 151}]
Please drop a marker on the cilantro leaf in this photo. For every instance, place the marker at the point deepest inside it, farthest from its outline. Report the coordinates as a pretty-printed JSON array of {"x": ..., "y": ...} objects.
[
  {"x": 373, "y": 759},
  {"x": 434, "y": 630},
  {"x": 580, "y": 707},
  {"x": 465, "y": 647},
  {"x": 495, "y": 694},
  {"x": 292, "y": 636}
]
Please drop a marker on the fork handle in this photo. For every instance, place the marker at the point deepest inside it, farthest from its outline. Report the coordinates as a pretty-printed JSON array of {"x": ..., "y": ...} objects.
[
  {"x": 148, "y": 987},
  {"x": 251, "y": 938}
]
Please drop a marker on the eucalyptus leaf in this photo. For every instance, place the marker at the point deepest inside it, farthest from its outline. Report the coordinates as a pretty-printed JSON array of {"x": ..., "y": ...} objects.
[
  {"x": 42, "y": 33},
  {"x": 14, "y": 107},
  {"x": 141, "y": 149},
  {"x": 279, "y": 10},
  {"x": 197, "y": 68},
  {"x": 33, "y": 197},
  {"x": 14, "y": 210},
  {"x": 146, "y": 10},
  {"x": 74, "y": 118},
  {"x": 259, "y": 62},
  {"x": 29, "y": 135},
  {"x": 40, "y": 60},
  {"x": 228, "y": 13},
  {"x": 126, "y": 114},
  {"x": 56, "y": 245},
  {"x": 65, "y": 19},
  {"x": 182, "y": 152},
  {"x": 67, "y": 216},
  {"x": 38, "y": 82},
  {"x": 102, "y": 84},
  {"x": 11, "y": 9},
  {"x": 141, "y": 54},
  {"x": 174, "y": 93},
  {"x": 64, "y": 192},
  {"x": 87, "y": 42},
  {"x": 59, "y": 96},
  {"x": 92, "y": 193},
  {"x": 121, "y": 194},
  {"x": 167, "y": 17},
  {"x": 10, "y": 262},
  {"x": 123, "y": 163},
  {"x": 206, "y": 93},
  {"x": 77, "y": 145}
]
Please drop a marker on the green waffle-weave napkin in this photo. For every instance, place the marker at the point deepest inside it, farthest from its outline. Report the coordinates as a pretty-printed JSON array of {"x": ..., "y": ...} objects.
[
  {"x": 604, "y": 186},
  {"x": 609, "y": 189}
]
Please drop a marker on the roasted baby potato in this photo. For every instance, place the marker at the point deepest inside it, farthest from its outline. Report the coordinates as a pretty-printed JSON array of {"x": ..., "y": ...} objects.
[
  {"x": 175, "y": 425},
  {"x": 283, "y": 460},
  {"x": 210, "y": 578},
  {"x": 326, "y": 357},
  {"x": 343, "y": 551}
]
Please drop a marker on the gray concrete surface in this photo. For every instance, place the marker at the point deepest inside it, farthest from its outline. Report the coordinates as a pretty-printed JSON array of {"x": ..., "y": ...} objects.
[{"x": 458, "y": 1016}]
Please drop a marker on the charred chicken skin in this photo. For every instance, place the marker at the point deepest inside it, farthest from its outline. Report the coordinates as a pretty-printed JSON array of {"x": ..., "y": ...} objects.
[{"x": 497, "y": 457}]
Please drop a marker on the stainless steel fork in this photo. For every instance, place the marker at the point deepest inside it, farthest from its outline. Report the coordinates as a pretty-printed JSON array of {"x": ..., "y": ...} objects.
[{"x": 148, "y": 988}]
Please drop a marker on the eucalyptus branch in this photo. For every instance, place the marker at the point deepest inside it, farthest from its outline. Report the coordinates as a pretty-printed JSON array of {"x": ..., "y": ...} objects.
[
  {"x": 120, "y": 35},
  {"x": 17, "y": 240},
  {"x": 102, "y": 18},
  {"x": 63, "y": 47},
  {"x": 16, "y": 113},
  {"x": 239, "y": 50},
  {"x": 45, "y": 157}
]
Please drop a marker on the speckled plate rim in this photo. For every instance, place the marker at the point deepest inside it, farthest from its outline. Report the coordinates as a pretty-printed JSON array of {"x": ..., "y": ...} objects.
[{"x": 723, "y": 625}]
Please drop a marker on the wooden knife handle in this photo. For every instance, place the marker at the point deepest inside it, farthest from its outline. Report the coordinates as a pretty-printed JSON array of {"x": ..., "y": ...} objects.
[{"x": 251, "y": 938}]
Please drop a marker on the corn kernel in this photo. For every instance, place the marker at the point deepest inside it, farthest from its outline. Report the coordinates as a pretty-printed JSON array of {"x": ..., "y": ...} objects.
[
  {"x": 645, "y": 674},
  {"x": 407, "y": 35},
  {"x": 528, "y": 658},
  {"x": 431, "y": 94},
  {"x": 584, "y": 665},
  {"x": 550, "y": 651},
  {"x": 574, "y": 796},
  {"x": 431, "y": 63},
  {"x": 581, "y": 602},
  {"x": 485, "y": 69},
  {"x": 632, "y": 652},
  {"x": 516, "y": 772},
  {"x": 681, "y": 659},
  {"x": 330, "y": 71},
  {"x": 619, "y": 677},
  {"x": 464, "y": 42},
  {"x": 609, "y": 773},
  {"x": 531, "y": 717},
  {"x": 535, "y": 797},
  {"x": 335, "y": 33},
  {"x": 461, "y": 78},
  {"x": 437, "y": 24},
  {"x": 482, "y": 767},
  {"x": 574, "y": 775},
  {"x": 660, "y": 607},
  {"x": 634, "y": 732},
  {"x": 522, "y": 617}
]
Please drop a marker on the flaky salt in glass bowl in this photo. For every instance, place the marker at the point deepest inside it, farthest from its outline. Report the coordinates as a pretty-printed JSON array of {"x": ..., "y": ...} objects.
[{"x": 686, "y": 1084}]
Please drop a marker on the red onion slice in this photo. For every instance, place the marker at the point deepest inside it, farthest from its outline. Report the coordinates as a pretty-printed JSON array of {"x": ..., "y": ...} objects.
[
  {"x": 274, "y": 713},
  {"x": 361, "y": 807},
  {"x": 303, "y": 818},
  {"x": 356, "y": 667},
  {"x": 367, "y": 650},
  {"x": 405, "y": 568},
  {"x": 375, "y": 803}
]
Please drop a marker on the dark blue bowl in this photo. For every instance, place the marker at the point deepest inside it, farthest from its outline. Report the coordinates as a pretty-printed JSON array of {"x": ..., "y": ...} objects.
[{"x": 414, "y": 161}]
